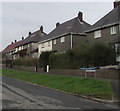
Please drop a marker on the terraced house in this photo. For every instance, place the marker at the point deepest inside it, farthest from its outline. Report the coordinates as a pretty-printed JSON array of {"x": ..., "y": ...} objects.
[
  {"x": 65, "y": 36},
  {"x": 29, "y": 46},
  {"x": 107, "y": 29},
  {"x": 8, "y": 52},
  {"x": 71, "y": 34}
]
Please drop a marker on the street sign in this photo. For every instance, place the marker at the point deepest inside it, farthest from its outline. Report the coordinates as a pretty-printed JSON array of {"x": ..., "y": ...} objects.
[{"x": 90, "y": 70}]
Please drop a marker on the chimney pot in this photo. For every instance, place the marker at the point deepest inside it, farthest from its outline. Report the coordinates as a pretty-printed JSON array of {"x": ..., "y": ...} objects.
[
  {"x": 29, "y": 32},
  {"x": 15, "y": 41},
  {"x": 11, "y": 42},
  {"x": 80, "y": 16},
  {"x": 41, "y": 28},
  {"x": 116, "y": 3},
  {"x": 57, "y": 24}
]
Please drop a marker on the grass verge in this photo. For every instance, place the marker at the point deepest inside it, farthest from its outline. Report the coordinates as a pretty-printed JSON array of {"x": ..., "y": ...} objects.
[{"x": 82, "y": 86}]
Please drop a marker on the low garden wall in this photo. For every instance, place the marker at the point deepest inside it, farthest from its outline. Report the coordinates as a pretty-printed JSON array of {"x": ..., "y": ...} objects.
[
  {"x": 30, "y": 68},
  {"x": 100, "y": 73}
]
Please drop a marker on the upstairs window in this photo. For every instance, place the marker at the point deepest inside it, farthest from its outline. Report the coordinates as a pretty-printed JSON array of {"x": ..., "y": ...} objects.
[
  {"x": 19, "y": 48},
  {"x": 97, "y": 34},
  {"x": 48, "y": 43},
  {"x": 16, "y": 49},
  {"x": 54, "y": 41},
  {"x": 113, "y": 30},
  {"x": 22, "y": 47},
  {"x": 42, "y": 45},
  {"x": 62, "y": 39},
  {"x": 28, "y": 45}
]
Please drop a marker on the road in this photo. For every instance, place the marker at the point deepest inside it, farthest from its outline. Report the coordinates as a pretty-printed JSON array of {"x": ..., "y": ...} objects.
[{"x": 21, "y": 95}]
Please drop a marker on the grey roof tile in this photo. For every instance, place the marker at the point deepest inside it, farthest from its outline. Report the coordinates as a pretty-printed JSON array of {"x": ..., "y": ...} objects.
[
  {"x": 72, "y": 26},
  {"x": 111, "y": 18},
  {"x": 34, "y": 37}
]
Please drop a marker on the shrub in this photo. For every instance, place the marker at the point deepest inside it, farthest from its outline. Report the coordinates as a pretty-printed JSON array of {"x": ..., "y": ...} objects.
[
  {"x": 25, "y": 62},
  {"x": 58, "y": 61},
  {"x": 85, "y": 55},
  {"x": 44, "y": 59},
  {"x": 102, "y": 54}
]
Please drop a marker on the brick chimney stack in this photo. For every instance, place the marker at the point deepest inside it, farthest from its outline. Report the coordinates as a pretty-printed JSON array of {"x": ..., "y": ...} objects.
[
  {"x": 29, "y": 33},
  {"x": 80, "y": 16},
  {"x": 116, "y": 3},
  {"x": 41, "y": 28},
  {"x": 22, "y": 38},
  {"x": 57, "y": 24}
]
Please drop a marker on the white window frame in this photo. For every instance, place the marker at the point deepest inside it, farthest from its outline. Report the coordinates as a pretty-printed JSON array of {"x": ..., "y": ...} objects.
[
  {"x": 16, "y": 49},
  {"x": 48, "y": 43},
  {"x": 113, "y": 30},
  {"x": 54, "y": 41},
  {"x": 117, "y": 47},
  {"x": 10, "y": 53},
  {"x": 62, "y": 39},
  {"x": 97, "y": 34},
  {"x": 22, "y": 47},
  {"x": 28, "y": 45},
  {"x": 19, "y": 48},
  {"x": 42, "y": 45}
]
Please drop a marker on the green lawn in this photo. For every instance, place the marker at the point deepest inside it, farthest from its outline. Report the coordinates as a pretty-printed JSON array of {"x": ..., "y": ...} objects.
[{"x": 83, "y": 86}]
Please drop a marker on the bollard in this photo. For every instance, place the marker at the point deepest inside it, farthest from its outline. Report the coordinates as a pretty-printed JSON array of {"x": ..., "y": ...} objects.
[{"x": 47, "y": 68}]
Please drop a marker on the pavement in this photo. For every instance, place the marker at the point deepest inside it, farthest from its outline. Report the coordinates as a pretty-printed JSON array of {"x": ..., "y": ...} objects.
[{"x": 21, "y": 95}]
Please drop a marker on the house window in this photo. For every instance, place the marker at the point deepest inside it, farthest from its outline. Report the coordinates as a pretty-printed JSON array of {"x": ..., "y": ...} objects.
[
  {"x": 117, "y": 48},
  {"x": 54, "y": 41},
  {"x": 48, "y": 43},
  {"x": 42, "y": 45},
  {"x": 22, "y": 47},
  {"x": 28, "y": 45},
  {"x": 16, "y": 49},
  {"x": 62, "y": 39},
  {"x": 113, "y": 30},
  {"x": 97, "y": 34},
  {"x": 19, "y": 48}
]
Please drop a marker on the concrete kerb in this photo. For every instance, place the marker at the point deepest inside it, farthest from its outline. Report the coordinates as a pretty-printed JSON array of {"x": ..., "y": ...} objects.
[{"x": 86, "y": 97}]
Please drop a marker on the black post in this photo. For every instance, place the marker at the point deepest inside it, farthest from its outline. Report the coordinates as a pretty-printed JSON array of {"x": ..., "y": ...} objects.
[
  {"x": 36, "y": 65},
  {"x": 6, "y": 63},
  {"x": 45, "y": 68},
  {"x": 11, "y": 64},
  {"x": 36, "y": 68}
]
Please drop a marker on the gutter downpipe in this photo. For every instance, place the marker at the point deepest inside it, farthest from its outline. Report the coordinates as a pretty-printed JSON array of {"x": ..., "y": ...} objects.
[
  {"x": 71, "y": 40},
  {"x": 119, "y": 39}
]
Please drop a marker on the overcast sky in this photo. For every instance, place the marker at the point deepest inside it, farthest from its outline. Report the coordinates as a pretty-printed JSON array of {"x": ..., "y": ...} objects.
[{"x": 20, "y": 18}]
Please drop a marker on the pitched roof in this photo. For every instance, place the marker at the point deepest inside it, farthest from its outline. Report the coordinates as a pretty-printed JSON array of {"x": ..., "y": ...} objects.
[
  {"x": 11, "y": 47},
  {"x": 74, "y": 26},
  {"x": 33, "y": 37},
  {"x": 112, "y": 18}
]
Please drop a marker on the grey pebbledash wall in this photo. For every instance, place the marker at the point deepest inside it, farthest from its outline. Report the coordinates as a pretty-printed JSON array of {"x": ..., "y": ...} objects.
[
  {"x": 66, "y": 45},
  {"x": 106, "y": 36}
]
